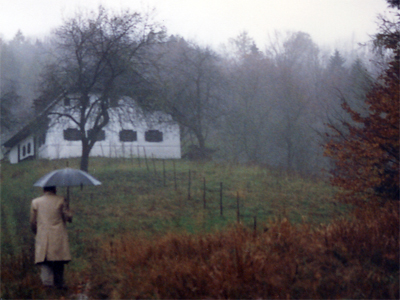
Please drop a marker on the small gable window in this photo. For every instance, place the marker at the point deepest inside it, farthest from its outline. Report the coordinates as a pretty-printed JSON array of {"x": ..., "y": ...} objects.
[
  {"x": 128, "y": 136},
  {"x": 153, "y": 136},
  {"x": 67, "y": 102},
  {"x": 29, "y": 148},
  {"x": 72, "y": 134},
  {"x": 23, "y": 150}
]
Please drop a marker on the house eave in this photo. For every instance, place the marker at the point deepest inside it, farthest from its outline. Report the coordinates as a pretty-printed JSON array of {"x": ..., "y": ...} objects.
[
  {"x": 31, "y": 127},
  {"x": 19, "y": 136}
]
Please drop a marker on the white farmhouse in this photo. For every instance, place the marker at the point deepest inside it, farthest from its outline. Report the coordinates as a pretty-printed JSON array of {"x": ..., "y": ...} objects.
[{"x": 129, "y": 133}]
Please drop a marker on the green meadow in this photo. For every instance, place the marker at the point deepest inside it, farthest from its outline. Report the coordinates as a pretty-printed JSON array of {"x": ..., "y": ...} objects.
[
  {"x": 151, "y": 199},
  {"x": 156, "y": 197}
]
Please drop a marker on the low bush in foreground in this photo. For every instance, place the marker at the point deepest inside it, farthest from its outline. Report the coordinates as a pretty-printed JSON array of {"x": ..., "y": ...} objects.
[
  {"x": 356, "y": 258},
  {"x": 150, "y": 241}
]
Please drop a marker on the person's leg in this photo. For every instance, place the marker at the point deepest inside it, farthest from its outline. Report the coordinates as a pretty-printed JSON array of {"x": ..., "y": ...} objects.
[
  {"x": 46, "y": 273},
  {"x": 59, "y": 274}
]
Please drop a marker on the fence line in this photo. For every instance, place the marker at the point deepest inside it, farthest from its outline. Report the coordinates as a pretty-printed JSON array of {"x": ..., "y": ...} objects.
[{"x": 189, "y": 180}]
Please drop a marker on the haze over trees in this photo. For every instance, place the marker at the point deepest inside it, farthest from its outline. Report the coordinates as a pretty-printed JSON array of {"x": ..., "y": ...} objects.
[
  {"x": 190, "y": 85},
  {"x": 20, "y": 64},
  {"x": 249, "y": 102},
  {"x": 267, "y": 106}
]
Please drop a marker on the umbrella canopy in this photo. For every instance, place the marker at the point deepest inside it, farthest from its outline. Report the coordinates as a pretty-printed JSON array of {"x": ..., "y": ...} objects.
[{"x": 67, "y": 177}]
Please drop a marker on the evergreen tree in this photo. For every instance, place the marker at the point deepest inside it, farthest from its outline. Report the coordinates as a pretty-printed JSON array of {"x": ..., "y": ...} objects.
[
  {"x": 367, "y": 157},
  {"x": 359, "y": 84}
]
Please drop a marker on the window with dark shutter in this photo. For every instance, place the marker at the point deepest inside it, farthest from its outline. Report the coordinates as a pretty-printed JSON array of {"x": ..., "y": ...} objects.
[
  {"x": 101, "y": 135},
  {"x": 153, "y": 136},
  {"x": 23, "y": 150},
  {"x": 29, "y": 148},
  {"x": 72, "y": 134},
  {"x": 128, "y": 136}
]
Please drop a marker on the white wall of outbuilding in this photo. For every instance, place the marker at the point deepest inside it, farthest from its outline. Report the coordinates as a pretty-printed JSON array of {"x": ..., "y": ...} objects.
[{"x": 56, "y": 147}]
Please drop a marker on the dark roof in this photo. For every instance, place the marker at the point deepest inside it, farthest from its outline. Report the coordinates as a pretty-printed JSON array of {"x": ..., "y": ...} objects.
[
  {"x": 22, "y": 134},
  {"x": 38, "y": 123}
]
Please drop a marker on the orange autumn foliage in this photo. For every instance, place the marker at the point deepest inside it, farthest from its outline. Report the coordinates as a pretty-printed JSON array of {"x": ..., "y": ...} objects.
[
  {"x": 366, "y": 157},
  {"x": 354, "y": 258}
]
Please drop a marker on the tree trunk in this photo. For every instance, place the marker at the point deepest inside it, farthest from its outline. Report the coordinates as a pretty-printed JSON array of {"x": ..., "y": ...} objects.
[
  {"x": 85, "y": 157},
  {"x": 202, "y": 145}
]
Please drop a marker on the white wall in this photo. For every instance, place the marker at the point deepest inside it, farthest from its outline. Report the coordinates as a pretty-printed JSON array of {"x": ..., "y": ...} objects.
[
  {"x": 28, "y": 144},
  {"x": 56, "y": 147},
  {"x": 13, "y": 155}
]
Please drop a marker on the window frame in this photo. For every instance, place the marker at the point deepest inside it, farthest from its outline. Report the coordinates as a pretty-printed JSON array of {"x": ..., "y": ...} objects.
[
  {"x": 154, "y": 136},
  {"x": 101, "y": 135},
  {"x": 72, "y": 134},
  {"x": 125, "y": 134}
]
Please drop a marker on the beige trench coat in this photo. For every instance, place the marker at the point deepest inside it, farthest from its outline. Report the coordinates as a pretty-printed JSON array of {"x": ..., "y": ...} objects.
[{"x": 48, "y": 218}]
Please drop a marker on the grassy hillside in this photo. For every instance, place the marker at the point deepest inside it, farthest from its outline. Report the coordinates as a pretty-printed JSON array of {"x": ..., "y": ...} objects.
[
  {"x": 142, "y": 214},
  {"x": 143, "y": 198}
]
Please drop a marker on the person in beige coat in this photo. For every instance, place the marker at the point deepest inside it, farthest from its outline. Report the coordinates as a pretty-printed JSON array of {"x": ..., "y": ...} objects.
[{"x": 48, "y": 219}]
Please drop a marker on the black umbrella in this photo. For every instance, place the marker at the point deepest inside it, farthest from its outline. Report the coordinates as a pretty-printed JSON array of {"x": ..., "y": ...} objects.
[{"x": 67, "y": 177}]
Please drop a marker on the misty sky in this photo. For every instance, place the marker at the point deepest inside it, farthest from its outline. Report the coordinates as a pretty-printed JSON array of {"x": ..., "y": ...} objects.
[{"x": 213, "y": 22}]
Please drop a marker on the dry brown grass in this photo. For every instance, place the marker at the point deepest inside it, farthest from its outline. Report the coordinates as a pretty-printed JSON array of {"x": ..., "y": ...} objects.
[
  {"x": 135, "y": 247},
  {"x": 357, "y": 258}
]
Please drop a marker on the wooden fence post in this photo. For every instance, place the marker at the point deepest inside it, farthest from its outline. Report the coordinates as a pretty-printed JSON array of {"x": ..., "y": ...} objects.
[
  {"x": 145, "y": 159},
  {"x": 189, "y": 183},
  {"x": 163, "y": 164},
  {"x": 237, "y": 207},
  {"x": 220, "y": 200},
  {"x": 204, "y": 192},
  {"x": 154, "y": 165},
  {"x": 131, "y": 155},
  {"x": 175, "y": 185},
  {"x": 138, "y": 155}
]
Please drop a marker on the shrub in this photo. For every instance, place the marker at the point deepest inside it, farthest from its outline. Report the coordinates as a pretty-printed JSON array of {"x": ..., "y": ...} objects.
[{"x": 350, "y": 258}]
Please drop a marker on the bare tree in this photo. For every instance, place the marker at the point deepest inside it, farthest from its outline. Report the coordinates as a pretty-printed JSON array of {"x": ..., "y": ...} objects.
[
  {"x": 99, "y": 58},
  {"x": 190, "y": 88},
  {"x": 247, "y": 122},
  {"x": 296, "y": 60}
]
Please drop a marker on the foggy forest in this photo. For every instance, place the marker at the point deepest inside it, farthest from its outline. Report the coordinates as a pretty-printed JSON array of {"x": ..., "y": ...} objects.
[
  {"x": 289, "y": 182},
  {"x": 239, "y": 103}
]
